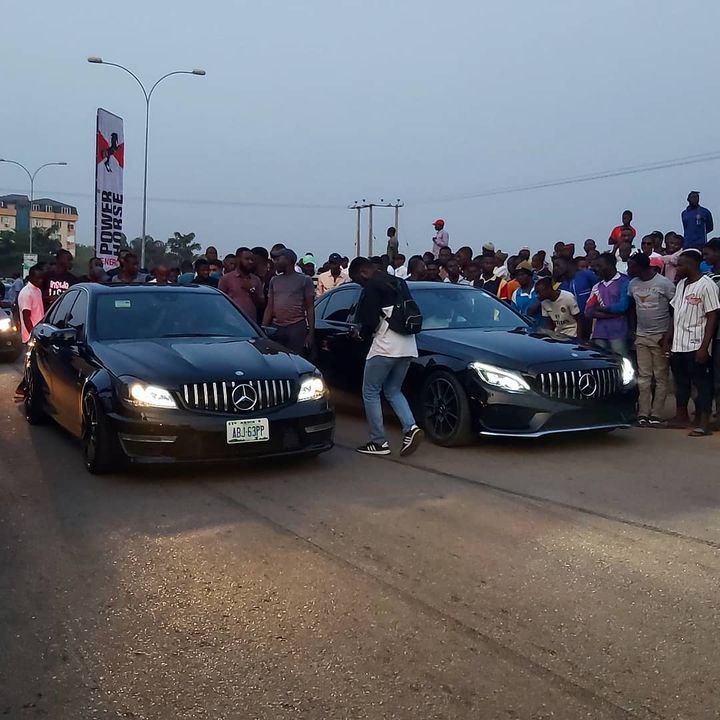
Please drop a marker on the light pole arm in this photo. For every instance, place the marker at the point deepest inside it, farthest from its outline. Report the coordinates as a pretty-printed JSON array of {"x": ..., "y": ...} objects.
[
  {"x": 20, "y": 165},
  {"x": 131, "y": 73},
  {"x": 167, "y": 75}
]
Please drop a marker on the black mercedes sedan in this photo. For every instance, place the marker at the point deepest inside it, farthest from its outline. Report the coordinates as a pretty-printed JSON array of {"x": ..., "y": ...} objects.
[
  {"x": 482, "y": 370},
  {"x": 167, "y": 373}
]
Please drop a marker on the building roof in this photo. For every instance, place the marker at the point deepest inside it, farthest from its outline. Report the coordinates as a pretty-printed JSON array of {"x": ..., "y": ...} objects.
[{"x": 57, "y": 206}]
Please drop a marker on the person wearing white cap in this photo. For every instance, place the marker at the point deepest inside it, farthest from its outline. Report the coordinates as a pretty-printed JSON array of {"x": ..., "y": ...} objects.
[{"x": 441, "y": 238}]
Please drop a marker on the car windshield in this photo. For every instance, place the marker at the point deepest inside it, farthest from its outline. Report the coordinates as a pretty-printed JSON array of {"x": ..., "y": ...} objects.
[
  {"x": 168, "y": 313},
  {"x": 445, "y": 308}
]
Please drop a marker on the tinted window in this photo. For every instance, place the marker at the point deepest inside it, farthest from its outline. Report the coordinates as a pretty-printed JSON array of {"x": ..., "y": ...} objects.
[
  {"x": 78, "y": 314},
  {"x": 447, "y": 307},
  {"x": 338, "y": 306},
  {"x": 61, "y": 309},
  {"x": 168, "y": 313}
]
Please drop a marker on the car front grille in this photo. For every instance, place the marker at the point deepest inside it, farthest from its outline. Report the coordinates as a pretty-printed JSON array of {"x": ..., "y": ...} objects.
[
  {"x": 580, "y": 384},
  {"x": 222, "y": 397}
]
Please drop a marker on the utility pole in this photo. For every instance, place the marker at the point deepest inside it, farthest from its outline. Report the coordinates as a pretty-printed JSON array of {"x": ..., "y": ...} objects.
[{"x": 359, "y": 206}]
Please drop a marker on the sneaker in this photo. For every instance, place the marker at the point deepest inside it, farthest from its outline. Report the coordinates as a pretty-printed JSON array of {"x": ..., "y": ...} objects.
[
  {"x": 655, "y": 421},
  {"x": 374, "y": 449},
  {"x": 643, "y": 421},
  {"x": 412, "y": 439}
]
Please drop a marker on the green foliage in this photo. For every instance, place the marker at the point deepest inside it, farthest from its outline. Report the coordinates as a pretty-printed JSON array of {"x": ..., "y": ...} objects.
[{"x": 183, "y": 247}]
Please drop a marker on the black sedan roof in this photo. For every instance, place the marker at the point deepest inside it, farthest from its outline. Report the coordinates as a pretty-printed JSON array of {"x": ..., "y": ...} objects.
[{"x": 110, "y": 288}]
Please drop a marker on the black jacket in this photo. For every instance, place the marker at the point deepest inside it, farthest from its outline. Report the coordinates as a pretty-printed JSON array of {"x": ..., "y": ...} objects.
[{"x": 380, "y": 292}]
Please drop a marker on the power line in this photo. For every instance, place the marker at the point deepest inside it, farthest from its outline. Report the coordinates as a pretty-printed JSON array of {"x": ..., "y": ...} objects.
[
  {"x": 576, "y": 179},
  {"x": 633, "y": 170}
]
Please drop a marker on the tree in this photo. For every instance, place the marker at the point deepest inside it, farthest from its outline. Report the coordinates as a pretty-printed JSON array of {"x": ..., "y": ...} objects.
[
  {"x": 155, "y": 250},
  {"x": 183, "y": 247}
]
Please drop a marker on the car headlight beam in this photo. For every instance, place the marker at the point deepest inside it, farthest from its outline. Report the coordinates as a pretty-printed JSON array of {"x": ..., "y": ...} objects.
[
  {"x": 628, "y": 372},
  {"x": 311, "y": 388},
  {"x": 150, "y": 396},
  {"x": 6, "y": 324},
  {"x": 500, "y": 378}
]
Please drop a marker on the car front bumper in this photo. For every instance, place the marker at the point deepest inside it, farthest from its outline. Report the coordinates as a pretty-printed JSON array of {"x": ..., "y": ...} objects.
[
  {"x": 156, "y": 436},
  {"x": 10, "y": 344},
  {"x": 531, "y": 414}
]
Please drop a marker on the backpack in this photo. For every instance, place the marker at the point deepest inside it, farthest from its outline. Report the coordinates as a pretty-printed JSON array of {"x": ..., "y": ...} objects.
[{"x": 405, "y": 318}]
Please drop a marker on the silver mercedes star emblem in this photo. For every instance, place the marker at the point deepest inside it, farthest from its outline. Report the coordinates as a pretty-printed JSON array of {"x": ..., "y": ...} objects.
[
  {"x": 588, "y": 385},
  {"x": 239, "y": 373},
  {"x": 244, "y": 397}
]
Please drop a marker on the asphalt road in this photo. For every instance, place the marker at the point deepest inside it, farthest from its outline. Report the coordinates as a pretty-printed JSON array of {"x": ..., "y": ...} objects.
[{"x": 568, "y": 578}]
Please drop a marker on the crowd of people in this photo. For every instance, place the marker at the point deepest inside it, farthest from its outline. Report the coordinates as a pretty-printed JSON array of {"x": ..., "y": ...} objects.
[{"x": 655, "y": 301}]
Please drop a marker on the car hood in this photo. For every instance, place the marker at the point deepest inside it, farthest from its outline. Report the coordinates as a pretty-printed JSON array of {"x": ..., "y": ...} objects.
[
  {"x": 514, "y": 349},
  {"x": 171, "y": 362}
]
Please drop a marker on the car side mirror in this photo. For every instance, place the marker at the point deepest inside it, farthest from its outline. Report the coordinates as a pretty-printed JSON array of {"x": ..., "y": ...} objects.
[
  {"x": 63, "y": 336},
  {"x": 270, "y": 332}
]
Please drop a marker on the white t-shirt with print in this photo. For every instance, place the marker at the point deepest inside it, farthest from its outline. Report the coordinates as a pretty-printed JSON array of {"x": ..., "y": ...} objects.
[
  {"x": 692, "y": 303},
  {"x": 388, "y": 343},
  {"x": 562, "y": 312}
]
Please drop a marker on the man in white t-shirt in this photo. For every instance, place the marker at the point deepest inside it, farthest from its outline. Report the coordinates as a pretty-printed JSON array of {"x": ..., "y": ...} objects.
[
  {"x": 30, "y": 302},
  {"x": 441, "y": 238},
  {"x": 696, "y": 307},
  {"x": 31, "y": 310},
  {"x": 559, "y": 308},
  {"x": 397, "y": 266},
  {"x": 388, "y": 360}
]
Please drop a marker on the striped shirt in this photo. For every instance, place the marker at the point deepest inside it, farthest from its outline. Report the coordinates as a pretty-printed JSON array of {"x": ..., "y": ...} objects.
[{"x": 692, "y": 302}]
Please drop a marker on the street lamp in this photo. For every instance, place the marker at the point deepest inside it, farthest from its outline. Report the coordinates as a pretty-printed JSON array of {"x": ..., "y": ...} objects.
[
  {"x": 99, "y": 61},
  {"x": 32, "y": 187}
]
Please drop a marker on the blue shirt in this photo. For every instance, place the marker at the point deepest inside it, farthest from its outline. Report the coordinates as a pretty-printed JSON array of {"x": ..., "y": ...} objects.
[
  {"x": 697, "y": 223},
  {"x": 522, "y": 300},
  {"x": 581, "y": 286}
]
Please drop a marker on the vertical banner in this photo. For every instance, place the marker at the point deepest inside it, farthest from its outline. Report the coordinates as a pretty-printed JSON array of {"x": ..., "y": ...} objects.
[{"x": 109, "y": 166}]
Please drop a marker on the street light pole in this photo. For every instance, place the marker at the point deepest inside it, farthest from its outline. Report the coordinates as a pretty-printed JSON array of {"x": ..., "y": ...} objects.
[
  {"x": 147, "y": 95},
  {"x": 32, "y": 190}
]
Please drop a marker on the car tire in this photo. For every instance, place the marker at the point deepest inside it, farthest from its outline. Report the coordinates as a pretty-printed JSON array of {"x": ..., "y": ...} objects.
[
  {"x": 445, "y": 410},
  {"x": 34, "y": 411},
  {"x": 101, "y": 451}
]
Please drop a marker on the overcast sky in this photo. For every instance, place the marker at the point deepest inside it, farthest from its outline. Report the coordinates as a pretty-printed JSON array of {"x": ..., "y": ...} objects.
[{"x": 324, "y": 102}]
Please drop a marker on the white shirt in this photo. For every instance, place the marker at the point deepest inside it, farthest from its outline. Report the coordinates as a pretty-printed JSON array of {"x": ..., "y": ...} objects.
[
  {"x": 692, "y": 303},
  {"x": 400, "y": 272},
  {"x": 14, "y": 290},
  {"x": 562, "y": 312},
  {"x": 440, "y": 239},
  {"x": 30, "y": 298},
  {"x": 388, "y": 343}
]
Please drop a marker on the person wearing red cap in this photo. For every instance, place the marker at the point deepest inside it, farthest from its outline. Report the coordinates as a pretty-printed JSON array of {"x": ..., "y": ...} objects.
[{"x": 441, "y": 238}]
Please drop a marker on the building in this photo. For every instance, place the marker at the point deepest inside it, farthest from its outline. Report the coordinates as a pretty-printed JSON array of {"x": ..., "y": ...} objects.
[{"x": 45, "y": 213}]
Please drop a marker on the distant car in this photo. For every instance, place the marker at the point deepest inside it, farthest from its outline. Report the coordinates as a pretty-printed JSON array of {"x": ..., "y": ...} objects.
[
  {"x": 482, "y": 370},
  {"x": 171, "y": 374},
  {"x": 10, "y": 340}
]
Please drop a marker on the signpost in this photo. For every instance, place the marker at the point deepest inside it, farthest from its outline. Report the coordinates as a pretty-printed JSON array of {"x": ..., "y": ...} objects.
[{"x": 29, "y": 259}]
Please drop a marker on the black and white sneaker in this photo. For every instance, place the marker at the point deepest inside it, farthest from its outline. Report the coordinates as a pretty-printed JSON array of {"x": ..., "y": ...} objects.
[
  {"x": 655, "y": 421},
  {"x": 642, "y": 421},
  {"x": 374, "y": 449},
  {"x": 411, "y": 441}
]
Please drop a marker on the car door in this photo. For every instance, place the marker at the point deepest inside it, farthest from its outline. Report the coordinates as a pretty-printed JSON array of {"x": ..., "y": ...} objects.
[
  {"x": 47, "y": 349},
  {"x": 338, "y": 354},
  {"x": 73, "y": 366}
]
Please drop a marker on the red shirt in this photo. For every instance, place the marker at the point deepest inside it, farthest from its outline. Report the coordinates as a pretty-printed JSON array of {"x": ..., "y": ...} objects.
[
  {"x": 616, "y": 233},
  {"x": 247, "y": 300}
]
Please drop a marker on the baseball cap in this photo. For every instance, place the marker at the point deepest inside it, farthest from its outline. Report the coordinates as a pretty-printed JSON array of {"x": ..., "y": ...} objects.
[
  {"x": 524, "y": 265},
  {"x": 488, "y": 247},
  {"x": 439, "y": 221},
  {"x": 308, "y": 258},
  {"x": 657, "y": 262},
  {"x": 335, "y": 258}
]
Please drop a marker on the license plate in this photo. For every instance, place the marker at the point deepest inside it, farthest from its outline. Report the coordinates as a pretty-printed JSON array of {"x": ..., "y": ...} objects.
[{"x": 247, "y": 431}]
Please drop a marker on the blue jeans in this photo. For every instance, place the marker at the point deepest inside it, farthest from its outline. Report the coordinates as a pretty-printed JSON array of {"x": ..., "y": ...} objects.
[{"x": 386, "y": 375}]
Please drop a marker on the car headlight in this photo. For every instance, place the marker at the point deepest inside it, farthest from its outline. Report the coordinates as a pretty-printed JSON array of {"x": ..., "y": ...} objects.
[
  {"x": 311, "y": 388},
  {"x": 628, "y": 372},
  {"x": 500, "y": 378},
  {"x": 6, "y": 324},
  {"x": 150, "y": 396}
]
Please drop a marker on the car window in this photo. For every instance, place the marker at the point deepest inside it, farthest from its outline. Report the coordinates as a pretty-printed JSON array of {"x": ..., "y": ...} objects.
[
  {"x": 339, "y": 304},
  {"x": 61, "y": 309},
  {"x": 445, "y": 308},
  {"x": 165, "y": 313},
  {"x": 78, "y": 314}
]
